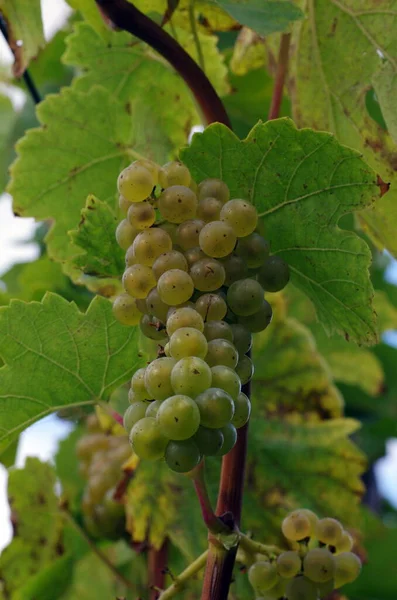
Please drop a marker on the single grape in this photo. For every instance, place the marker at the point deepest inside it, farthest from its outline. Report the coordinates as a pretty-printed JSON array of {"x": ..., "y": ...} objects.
[
  {"x": 262, "y": 575},
  {"x": 212, "y": 307},
  {"x": 207, "y": 274},
  {"x": 142, "y": 306},
  {"x": 226, "y": 379},
  {"x": 300, "y": 588},
  {"x": 179, "y": 417},
  {"x": 170, "y": 228},
  {"x": 138, "y": 280},
  {"x": 253, "y": 249},
  {"x": 169, "y": 260},
  {"x": 190, "y": 376},
  {"x": 221, "y": 352},
  {"x": 245, "y": 369},
  {"x": 142, "y": 215},
  {"x": 193, "y": 255},
  {"x": 209, "y": 209},
  {"x": 213, "y": 188},
  {"x": 135, "y": 182},
  {"x": 132, "y": 397},
  {"x": 152, "y": 328},
  {"x": 182, "y": 456},
  {"x": 218, "y": 330},
  {"x": 158, "y": 378},
  {"x": 296, "y": 526},
  {"x": 188, "y": 341},
  {"x": 289, "y": 564},
  {"x": 150, "y": 244},
  {"x": 174, "y": 173},
  {"x": 242, "y": 410},
  {"x": 138, "y": 386},
  {"x": 175, "y": 287},
  {"x": 229, "y": 439},
  {"x": 217, "y": 239},
  {"x": 344, "y": 544},
  {"x": 216, "y": 408},
  {"x": 124, "y": 204},
  {"x": 125, "y": 310},
  {"x": 130, "y": 256},
  {"x": 259, "y": 320},
  {"x": 274, "y": 274},
  {"x": 319, "y": 565},
  {"x": 209, "y": 441},
  {"x": 184, "y": 317},
  {"x": 241, "y": 215},
  {"x": 325, "y": 589},
  {"x": 329, "y": 531},
  {"x": 277, "y": 591},
  {"x": 156, "y": 306},
  {"x": 151, "y": 166},
  {"x": 147, "y": 439},
  {"x": 245, "y": 297},
  {"x": 347, "y": 568},
  {"x": 153, "y": 408},
  {"x": 125, "y": 234},
  {"x": 178, "y": 204},
  {"x": 188, "y": 233},
  {"x": 134, "y": 413},
  {"x": 242, "y": 338},
  {"x": 235, "y": 269},
  {"x": 313, "y": 518}
]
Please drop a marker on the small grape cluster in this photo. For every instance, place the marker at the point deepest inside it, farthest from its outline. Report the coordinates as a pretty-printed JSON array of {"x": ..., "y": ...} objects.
[
  {"x": 322, "y": 561},
  {"x": 195, "y": 280}
]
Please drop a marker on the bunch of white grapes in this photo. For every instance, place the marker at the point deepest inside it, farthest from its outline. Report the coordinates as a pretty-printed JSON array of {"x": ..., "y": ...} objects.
[
  {"x": 196, "y": 274},
  {"x": 322, "y": 562}
]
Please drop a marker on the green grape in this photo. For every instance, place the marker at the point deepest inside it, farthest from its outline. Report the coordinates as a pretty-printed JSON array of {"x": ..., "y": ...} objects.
[
  {"x": 329, "y": 531},
  {"x": 344, "y": 544},
  {"x": 169, "y": 260},
  {"x": 150, "y": 244},
  {"x": 319, "y": 565},
  {"x": 229, "y": 439},
  {"x": 325, "y": 589},
  {"x": 218, "y": 330},
  {"x": 226, "y": 379},
  {"x": 245, "y": 297},
  {"x": 184, "y": 317},
  {"x": 241, "y": 215},
  {"x": 193, "y": 255},
  {"x": 152, "y": 328},
  {"x": 209, "y": 209},
  {"x": 221, "y": 352},
  {"x": 138, "y": 280},
  {"x": 158, "y": 378},
  {"x": 245, "y": 369},
  {"x": 213, "y": 188},
  {"x": 235, "y": 269},
  {"x": 132, "y": 397},
  {"x": 216, "y": 408},
  {"x": 174, "y": 173},
  {"x": 207, "y": 274},
  {"x": 179, "y": 417},
  {"x": 147, "y": 439},
  {"x": 142, "y": 306},
  {"x": 262, "y": 575},
  {"x": 177, "y": 204},
  {"x": 274, "y": 274},
  {"x": 151, "y": 166},
  {"x": 242, "y": 338},
  {"x": 313, "y": 518},
  {"x": 242, "y": 410},
  {"x": 125, "y": 310},
  {"x": 212, "y": 307},
  {"x": 277, "y": 591},
  {"x": 209, "y": 441},
  {"x": 190, "y": 376},
  {"x": 138, "y": 385},
  {"x": 259, "y": 320},
  {"x": 130, "y": 256},
  {"x": 347, "y": 568},
  {"x": 300, "y": 588},
  {"x": 253, "y": 249},
  {"x": 153, "y": 408},
  {"x": 134, "y": 413},
  {"x": 193, "y": 186},
  {"x": 182, "y": 456},
  {"x": 217, "y": 239},
  {"x": 175, "y": 287},
  {"x": 156, "y": 306},
  {"x": 172, "y": 309},
  {"x": 170, "y": 228},
  {"x": 142, "y": 215},
  {"x": 135, "y": 182},
  {"x": 289, "y": 564},
  {"x": 125, "y": 234},
  {"x": 124, "y": 204},
  {"x": 296, "y": 526},
  {"x": 188, "y": 341},
  {"x": 188, "y": 233}
]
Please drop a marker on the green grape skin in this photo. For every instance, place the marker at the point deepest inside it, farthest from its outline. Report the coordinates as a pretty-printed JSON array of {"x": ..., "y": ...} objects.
[
  {"x": 229, "y": 439},
  {"x": 221, "y": 352},
  {"x": 209, "y": 209},
  {"x": 274, "y": 274},
  {"x": 253, "y": 249},
  {"x": 188, "y": 341},
  {"x": 125, "y": 310},
  {"x": 130, "y": 259},
  {"x": 193, "y": 255},
  {"x": 300, "y": 588},
  {"x": 156, "y": 306},
  {"x": 177, "y": 204},
  {"x": 174, "y": 173},
  {"x": 138, "y": 280},
  {"x": 319, "y": 565},
  {"x": 259, "y": 320},
  {"x": 289, "y": 564},
  {"x": 191, "y": 376},
  {"x": 213, "y": 188},
  {"x": 241, "y": 215},
  {"x": 313, "y": 518},
  {"x": 182, "y": 456},
  {"x": 217, "y": 239},
  {"x": 262, "y": 575},
  {"x": 226, "y": 379},
  {"x": 207, "y": 274},
  {"x": 150, "y": 244},
  {"x": 124, "y": 204},
  {"x": 170, "y": 228},
  {"x": 125, "y": 234},
  {"x": 296, "y": 526},
  {"x": 151, "y": 166},
  {"x": 184, "y": 317},
  {"x": 142, "y": 306},
  {"x": 235, "y": 269},
  {"x": 242, "y": 410},
  {"x": 209, "y": 441},
  {"x": 175, "y": 287},
  {"x": 134, "y": 413},
  {"x": 142, "y": 215},
  {"x": 147, "y": 439},
  {"x": 135, "y": 182},
  {"x": 329, "y": 531},
  {"x": 152, "y": 328},
  {"x": 216, "y": 408},
  {"x": 153, "y": 408},
  {"x": 138, "y": 386},
  {"x": 325, "y": 589},
  {"x": 344, "y": 544},
  {"x": 245, "y": 369},
  {"x": 169, "y": 260},
  {"x": 218, "y": 330},
  {"x": 132, "y": 397},
  {"x": 179, "y": 417},
  {"x": 188, "y": 233},
  {"x": 212, "y": 307},
  {"x": 158, "y": 378},
  {"x": 242, "y": 338},
  {"x": 347, "y": 568},
  {"x": 277, "y": 591},
  {"x": 245, "y": 297}
]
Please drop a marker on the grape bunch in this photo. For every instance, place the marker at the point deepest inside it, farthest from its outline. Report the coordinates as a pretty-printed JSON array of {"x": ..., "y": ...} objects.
[
  {"x": 322, "y": 562},
  {"x": 195, "y": 281}
]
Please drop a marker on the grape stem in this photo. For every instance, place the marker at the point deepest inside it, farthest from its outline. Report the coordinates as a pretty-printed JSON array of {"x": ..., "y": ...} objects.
[
  {"x": 252, "y": 547},
  {"x": 183, "y": 577},
  {"x": 281, "y": 73},
  {"x": 213, "y": 523},
  {"x": 157, "y": 569}
]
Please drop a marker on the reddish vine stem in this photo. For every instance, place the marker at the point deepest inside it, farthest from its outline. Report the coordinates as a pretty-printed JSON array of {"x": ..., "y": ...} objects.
[
  {"x": 157, "y": 569},
  {"x": 281, "y": 73},
  {"x": 212, "y": 522}
]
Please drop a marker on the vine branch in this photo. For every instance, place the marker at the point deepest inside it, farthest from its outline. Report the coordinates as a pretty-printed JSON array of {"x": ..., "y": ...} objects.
[
  {"x": 213, "y": 523},
  {"x": 157, "y": 569},
  {"x": 188, "y": 573},
  {"x": 281, "y": 73}
]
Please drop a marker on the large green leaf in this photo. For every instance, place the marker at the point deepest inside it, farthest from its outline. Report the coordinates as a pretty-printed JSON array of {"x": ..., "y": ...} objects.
[
  {"x": 90, "y": 11},
  {"x": 302, "y": 182},
  {"x": 7, "y": 120},
  {"x": 264, "y": 16},
  {"x": 57, "y": 357}
]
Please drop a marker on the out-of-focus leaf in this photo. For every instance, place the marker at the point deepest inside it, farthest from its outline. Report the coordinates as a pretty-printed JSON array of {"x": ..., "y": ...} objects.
[
  {"x": 67, "y": 468},
  {"x": 263, "y": 16},
  {"x": 7, "y": 121},
  {"x": 50, "y": 582},
  {"x": 249, "y": 52},
  {"x": 90, "y": 11}
]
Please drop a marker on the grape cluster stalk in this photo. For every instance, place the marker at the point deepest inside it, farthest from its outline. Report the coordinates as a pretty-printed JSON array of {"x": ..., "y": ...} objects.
[{"x": 195, "y": 280}]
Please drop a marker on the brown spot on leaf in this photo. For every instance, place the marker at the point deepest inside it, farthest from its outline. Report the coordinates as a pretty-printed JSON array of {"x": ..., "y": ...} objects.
[{"x": 383, "y": 186}]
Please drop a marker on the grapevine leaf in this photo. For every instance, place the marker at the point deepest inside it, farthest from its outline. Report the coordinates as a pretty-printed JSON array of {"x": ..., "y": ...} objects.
[
  {"x": 7, "y": 121},
  {"x": 90, "y": 11},
  {"x": 264, "y": 17},
  {"x": 67, "y": 468},
  {"x": 54, "y": 576},
  {"x": 302, "y": 182},
  {"x": 56, "y": 357},
  {"x": 249, "y": 52},
  {"x": 209, "y": 15}
]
